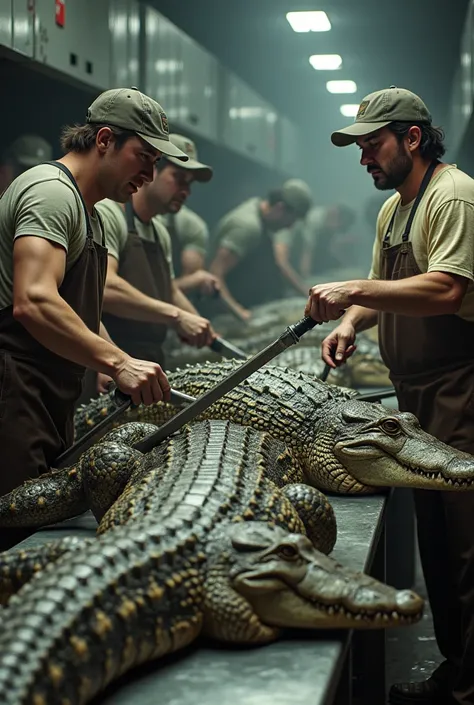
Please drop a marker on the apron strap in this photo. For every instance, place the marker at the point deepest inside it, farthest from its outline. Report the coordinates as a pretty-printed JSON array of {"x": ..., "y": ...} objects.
[
  {"x": 424, "y": 185},
  {"x": 130, "y": 218},
  {"x": 66, "y": 171}
]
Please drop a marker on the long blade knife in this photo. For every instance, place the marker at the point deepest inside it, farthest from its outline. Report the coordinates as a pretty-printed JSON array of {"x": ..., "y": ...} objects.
[{"x": 291, "y": 336}]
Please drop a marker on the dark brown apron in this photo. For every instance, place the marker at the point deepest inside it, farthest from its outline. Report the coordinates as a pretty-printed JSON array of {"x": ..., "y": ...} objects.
[
  {"x": 431, "y": 363},
  {"x": 143, "y": 264},
  {"x": 176, "y": 247},
  {"x": 38, "y": 388},
  {"x": 257, "y": 279}
]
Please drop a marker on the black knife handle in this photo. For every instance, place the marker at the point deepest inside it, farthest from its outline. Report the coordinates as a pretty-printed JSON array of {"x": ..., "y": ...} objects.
[
  {"x": 121, "y": 398},
  {"x": 304, "y": 325}
]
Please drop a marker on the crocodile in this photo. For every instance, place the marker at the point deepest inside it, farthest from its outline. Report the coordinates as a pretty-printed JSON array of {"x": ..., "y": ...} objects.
[
  {"x": 344, "y": 445},
  {"x": 220, "y": 552},
  {"x": 97, "y": 477}
]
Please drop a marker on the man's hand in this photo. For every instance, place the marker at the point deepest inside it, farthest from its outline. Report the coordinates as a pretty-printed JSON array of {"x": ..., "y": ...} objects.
[
  {"x": 144, "y": 381},
  {"x": 338, "y": 346},
  {"x": 328, "y": 302},
  {"x": 206, "y": 282},
  {"x": 194, "y": 330},
  {"x": 103, "y": 383}
]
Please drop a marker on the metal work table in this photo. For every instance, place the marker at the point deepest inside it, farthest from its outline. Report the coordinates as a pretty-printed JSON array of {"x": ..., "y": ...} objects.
[{"x": 303, "y": 668}]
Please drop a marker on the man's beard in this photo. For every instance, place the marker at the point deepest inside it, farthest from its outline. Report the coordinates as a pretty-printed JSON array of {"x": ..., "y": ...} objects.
[{"x": 396, "y": 172}]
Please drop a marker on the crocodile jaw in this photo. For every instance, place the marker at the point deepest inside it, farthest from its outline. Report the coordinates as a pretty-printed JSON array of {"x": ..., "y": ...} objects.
[{"x": 291, "y": 584}]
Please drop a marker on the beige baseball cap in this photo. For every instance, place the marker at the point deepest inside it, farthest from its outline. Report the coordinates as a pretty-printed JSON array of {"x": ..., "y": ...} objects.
[
  {"x": 204, "y": 172},
  {"x": 132, "y": 110},
  {"x": 297, "y": 195},
  {"x": 29, "y": 150},
  {"x": 379, "y": 109}
]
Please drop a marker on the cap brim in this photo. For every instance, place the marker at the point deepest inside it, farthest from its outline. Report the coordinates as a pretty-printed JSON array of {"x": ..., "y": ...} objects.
[
  {"x": 203, "y": 173},
  {"x": 165, "y": 147},
  {"x": 349, "y": 135}
]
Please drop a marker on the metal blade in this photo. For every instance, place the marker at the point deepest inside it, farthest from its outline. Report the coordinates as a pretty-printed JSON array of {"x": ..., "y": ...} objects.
[
  {"x": 325, "y": 373},
  {"x": 124, "y": 402},
  {"x": 290, "y": 337},
  {"x": 223, "y": 347},
  {"x": 377, "y": 394}
]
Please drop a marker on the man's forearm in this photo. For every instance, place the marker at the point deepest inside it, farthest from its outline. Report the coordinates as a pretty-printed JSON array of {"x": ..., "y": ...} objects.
[
  {"x": 430, "y": 294},
  {"x": 361, "y": 318},
  {"x": 181, "y": 300},
  {"x": 54, "y": 324},
  {"x": 124, "y": 300},
  {"x": 186, "y": 282}
]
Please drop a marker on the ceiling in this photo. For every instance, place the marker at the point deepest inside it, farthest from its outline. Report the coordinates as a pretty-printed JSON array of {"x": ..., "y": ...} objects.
[
  {"x": 410, "y": 43},
  {"x": 414, "y": 44}
]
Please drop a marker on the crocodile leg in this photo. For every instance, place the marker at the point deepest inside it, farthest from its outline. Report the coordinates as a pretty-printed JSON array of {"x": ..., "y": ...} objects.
[
  {"x": 316, "y": 514},
  {"x": 18, "y": 566}
]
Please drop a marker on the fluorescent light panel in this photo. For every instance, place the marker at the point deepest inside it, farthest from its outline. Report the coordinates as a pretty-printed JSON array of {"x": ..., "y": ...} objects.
[
  {"x": 325, "y": 62},
  {"x": 349, "y": 109},
  {"x": 341, "y": 86},
  {"x": 309, "y": 21}
]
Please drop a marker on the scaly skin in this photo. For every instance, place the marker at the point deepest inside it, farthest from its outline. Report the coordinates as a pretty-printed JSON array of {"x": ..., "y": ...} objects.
[
  {"x": 344, "y": 445},
  {"x": 111, "y": 473},
  {"x": 219, "y": 552}
]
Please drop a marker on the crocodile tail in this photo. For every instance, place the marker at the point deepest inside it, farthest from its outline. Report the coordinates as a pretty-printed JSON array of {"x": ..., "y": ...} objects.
[{"x": 52, "y": 497}]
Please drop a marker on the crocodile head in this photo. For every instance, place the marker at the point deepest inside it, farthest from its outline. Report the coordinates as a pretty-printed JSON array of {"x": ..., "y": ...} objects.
[
  {"x": 379, "y": 447},
  {"x": 280, "y": 580}
]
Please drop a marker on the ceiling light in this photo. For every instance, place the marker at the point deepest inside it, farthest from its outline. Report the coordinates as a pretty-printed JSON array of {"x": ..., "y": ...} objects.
[
  {"x": 309, "y": 21},
  {"x": 341, "y": 86},
  {"x": 325, "y": 62},
  {"x": 349, "y": 110}
]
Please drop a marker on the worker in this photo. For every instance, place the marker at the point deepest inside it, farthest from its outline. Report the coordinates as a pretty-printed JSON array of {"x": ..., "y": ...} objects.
[
  {"x": 249, "y": 270},
  {"x": 420, "y": 291},
  {"x": 53, "y": 262},
  {"x": 141, "y": 299},
  {"x": 24, "y": 152},
  {"x": 316, "y": 244},
  {"x": 188, "y": 231}
]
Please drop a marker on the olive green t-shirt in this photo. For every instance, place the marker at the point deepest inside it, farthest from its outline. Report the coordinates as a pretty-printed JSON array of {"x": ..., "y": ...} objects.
[
  {"x": 42, "y": 202},
  {"x": 241, "y": 230},
  {"x": 116, "y": 232},
  {"x": 442, "y": 233},
  {"x": 191, "y": 229}
]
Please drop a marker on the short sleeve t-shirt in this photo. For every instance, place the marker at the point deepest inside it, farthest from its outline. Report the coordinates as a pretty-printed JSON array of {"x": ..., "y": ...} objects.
[
  {"x": 42, "y": 202},
  {"x": 442, "y": 233},
  {"x": 116, "y": 232},
  {"x": 191, "y": 229},
  {"x": 241, "y": 230}
]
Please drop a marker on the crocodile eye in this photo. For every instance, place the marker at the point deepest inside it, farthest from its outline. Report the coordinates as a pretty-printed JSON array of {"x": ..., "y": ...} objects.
[
  {"x": 288, "y": 552},
  {"x": 391, "y": 427}
]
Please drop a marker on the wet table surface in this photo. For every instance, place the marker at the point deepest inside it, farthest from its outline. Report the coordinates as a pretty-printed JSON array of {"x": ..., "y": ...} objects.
[{"x": 301, "y": 668}]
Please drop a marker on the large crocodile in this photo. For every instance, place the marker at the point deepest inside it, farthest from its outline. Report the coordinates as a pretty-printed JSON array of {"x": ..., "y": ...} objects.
[
  {"x": 99, "y": 477},
  {"x": 344, "y": 445},
  {"x": 208, "y": 546}
]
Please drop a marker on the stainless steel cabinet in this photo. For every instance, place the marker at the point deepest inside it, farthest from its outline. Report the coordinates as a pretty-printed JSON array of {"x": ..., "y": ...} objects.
[
  {"x": 80, "y": 48},
  {"x": 181, "y": 76},
  {"x": 124, "y": 27},
  {"x": 6, "y": 22}
]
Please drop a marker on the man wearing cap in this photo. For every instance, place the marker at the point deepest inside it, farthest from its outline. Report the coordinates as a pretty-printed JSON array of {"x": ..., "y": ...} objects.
[
  {"x": 420, "y": 291},
  {"x": 188, "y": 231},
  {"x": 53, "y": 264},
  {"x": 245, "y": 261},
  {"x": 142, "y": 299},
  {"x": 24, "y": 152}
]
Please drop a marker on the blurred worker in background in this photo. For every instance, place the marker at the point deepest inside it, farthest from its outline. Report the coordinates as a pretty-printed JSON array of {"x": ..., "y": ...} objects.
[
  {"x": 245, "y": 261},
  {"x": 188, "y": 231},
  {"x": 23, "y": 153}
]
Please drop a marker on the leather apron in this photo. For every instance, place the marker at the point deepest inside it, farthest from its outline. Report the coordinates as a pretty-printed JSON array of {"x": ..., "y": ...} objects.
[
  {"x": 431, "y": 363},
  {"x": 143, "y": 265},
  {"x": 176, "y": 247},
  {"x": 38, "y": 388},
  {"x": 257, "y": 279}
]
